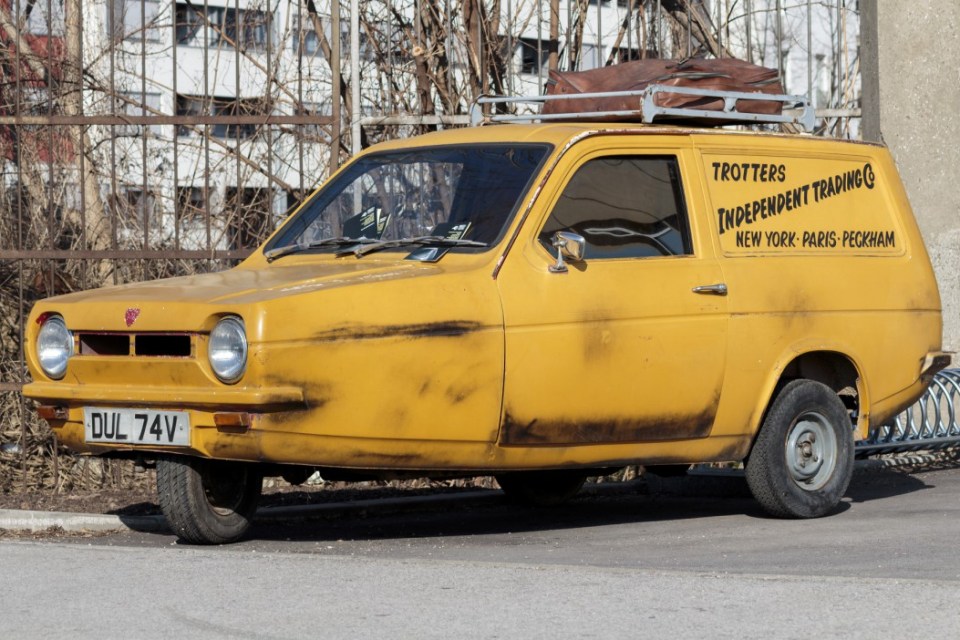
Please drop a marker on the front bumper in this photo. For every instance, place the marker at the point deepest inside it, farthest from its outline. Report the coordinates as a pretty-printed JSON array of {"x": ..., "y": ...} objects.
[
  {"x": 207, "y": 397},
  {"x": 224, "y": 420}
]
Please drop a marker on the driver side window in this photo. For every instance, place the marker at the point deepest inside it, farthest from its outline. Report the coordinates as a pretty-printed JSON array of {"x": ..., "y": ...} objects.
[{"x": 624, "y": 207}]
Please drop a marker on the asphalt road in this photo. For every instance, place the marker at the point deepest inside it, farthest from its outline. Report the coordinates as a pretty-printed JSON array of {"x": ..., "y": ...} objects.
[{"x": 687, "y": 566}]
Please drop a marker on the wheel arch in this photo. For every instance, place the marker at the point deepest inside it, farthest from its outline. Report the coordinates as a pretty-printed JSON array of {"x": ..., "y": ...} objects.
[{"x": 832, "y": 368}]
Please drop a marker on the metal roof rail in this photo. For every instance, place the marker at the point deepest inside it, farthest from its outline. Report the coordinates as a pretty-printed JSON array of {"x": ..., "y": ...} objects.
[{"x": 647, "y": 111}]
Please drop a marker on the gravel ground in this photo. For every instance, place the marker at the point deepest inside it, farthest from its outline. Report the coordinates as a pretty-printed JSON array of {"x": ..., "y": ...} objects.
[{"x": 142, "y": 499}]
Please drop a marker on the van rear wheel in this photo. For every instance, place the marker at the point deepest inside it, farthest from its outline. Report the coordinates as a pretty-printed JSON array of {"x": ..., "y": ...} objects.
[
  {"x": 208, "y": 501},
  {"x": 541, "y": 488},
  {"x": 802, "y": 461}
]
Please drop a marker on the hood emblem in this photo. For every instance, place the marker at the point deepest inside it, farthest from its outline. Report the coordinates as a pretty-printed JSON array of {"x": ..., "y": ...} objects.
[{"x": 131, "y": 316}]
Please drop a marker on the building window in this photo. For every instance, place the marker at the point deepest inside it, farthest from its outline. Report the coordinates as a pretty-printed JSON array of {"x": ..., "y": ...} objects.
[
  {"x": 315, "y": 132},
  {"x": 191, "y": 204},
  {"x": 247, "y": 211},
  {"x": 303, "y": 37},
  {"x": 305, "y": 41},
  {"x": 236, "y": 107},
  {"x": 623, "y": 54},
  {"x": 137, "y": 104},
  {"x": 190, "y": 106},
  {"x": 136, "y": 207},
  {"x": 189, "y": 24},
  {"x": 251, "y": 28},
  {"x": 293, "y": 200},
  {"x": 38, "y": 17},
  {"x": 133, "y": 20},
  {"x": 529, "y": 62},
  {"x": 220, "y": 106},
  {"x": 199, "y": 26}
]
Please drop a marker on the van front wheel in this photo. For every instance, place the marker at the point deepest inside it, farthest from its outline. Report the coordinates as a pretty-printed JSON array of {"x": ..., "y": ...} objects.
[
  {"x": 802, "y": 461},
  {"x": 208, "y": 501}
]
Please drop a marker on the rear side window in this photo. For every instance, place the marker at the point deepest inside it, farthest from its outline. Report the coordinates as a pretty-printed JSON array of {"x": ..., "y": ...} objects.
[{"x": 624, "y": 207}]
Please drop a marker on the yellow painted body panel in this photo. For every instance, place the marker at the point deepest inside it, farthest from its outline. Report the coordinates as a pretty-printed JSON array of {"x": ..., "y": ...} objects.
[
  {"x": 616, "y": 350},
  {"x": 488, "y": 361},
  {"x": 877, "y": 306}
]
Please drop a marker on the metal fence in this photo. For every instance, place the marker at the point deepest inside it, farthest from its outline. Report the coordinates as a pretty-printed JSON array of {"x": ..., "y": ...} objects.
[
  {"x": 148, "y": 138},
  {"x": 929, "y": 423}
]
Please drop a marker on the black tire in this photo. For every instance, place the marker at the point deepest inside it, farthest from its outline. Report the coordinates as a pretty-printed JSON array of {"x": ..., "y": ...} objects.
[
  {"x": 802, "y": 460},
  {"x": 541, "y": 488},
  {"x": 208, "y": 501}
]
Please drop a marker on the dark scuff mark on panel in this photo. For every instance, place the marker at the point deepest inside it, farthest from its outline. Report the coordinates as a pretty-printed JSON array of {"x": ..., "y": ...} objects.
[
  {"x": 456, "y": 395},
  {"x": 283, "y": 417},
  {"x": 603, "y": 430},
  {"x": 448, "y": 329},
  {"x": 315, "y": 394},
  {"x": 735, "y": 451},
  {"x": 522, "y": 432}
]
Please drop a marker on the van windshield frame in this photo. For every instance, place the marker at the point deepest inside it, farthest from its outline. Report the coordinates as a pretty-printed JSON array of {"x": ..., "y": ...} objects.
[{"x": 464, "y": 194}]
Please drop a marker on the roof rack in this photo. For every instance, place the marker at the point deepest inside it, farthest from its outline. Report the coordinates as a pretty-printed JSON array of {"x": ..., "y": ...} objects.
[{"x": 799, "y": 110}]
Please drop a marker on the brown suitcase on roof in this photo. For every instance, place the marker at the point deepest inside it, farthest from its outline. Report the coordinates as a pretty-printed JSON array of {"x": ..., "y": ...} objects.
[{"x": 726, "y": 74}]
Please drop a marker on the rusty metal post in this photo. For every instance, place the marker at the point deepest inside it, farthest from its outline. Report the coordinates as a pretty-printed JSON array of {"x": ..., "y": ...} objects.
[
  {"x": 554, "y": 61},
  {"x": 779, "y": 44},
  {"x": 355, "y": 74},
  {"x": 810, "y": 95},
  {"x": 336, "y": 83}
]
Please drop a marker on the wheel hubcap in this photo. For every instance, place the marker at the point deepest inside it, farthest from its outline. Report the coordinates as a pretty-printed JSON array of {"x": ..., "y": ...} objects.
[
  {"x": 225, "y": 488},
  {"x": 811, "y": 451}
]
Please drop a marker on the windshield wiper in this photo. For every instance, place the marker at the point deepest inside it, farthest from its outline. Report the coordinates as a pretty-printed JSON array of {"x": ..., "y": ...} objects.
[
  {"x": 419, "y": 240},
  {"x": 279, "y": 252}
]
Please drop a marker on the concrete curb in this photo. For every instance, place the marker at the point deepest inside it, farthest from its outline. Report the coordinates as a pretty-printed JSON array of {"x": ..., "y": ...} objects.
[
  {"x": 20, "y": 520},
  {"x": 700, "y": 482}
]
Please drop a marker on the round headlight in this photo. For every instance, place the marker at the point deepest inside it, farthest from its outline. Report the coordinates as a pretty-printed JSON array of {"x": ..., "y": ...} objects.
[
  {"x": 227, "y": 350},
  {"x": 54, "y": 347}
]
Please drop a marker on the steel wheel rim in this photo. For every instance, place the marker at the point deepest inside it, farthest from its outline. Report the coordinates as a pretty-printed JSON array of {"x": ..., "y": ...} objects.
[
  {"x": 225, "y": 491},
  {"x": 811, "y": 451}
]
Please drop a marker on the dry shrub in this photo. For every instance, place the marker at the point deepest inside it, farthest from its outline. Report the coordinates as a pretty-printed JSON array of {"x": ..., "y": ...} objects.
[{"x": 30, "y": 456}]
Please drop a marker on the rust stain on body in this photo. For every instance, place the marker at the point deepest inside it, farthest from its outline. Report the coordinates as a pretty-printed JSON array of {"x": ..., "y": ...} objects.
[
  {"x": 607, "y": 430},
  {"x": 448, "y": 329}
]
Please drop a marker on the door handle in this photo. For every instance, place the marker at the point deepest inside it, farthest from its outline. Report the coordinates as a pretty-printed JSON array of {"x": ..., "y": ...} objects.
[{"x": 712, "y": 289}]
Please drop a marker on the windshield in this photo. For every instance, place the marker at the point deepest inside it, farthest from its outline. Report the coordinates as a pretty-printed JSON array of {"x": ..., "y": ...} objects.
[{"x": 458, "y": 193}]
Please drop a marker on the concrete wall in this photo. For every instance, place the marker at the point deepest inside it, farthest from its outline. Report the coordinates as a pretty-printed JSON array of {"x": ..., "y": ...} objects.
[{"x": 911, "y": 102}]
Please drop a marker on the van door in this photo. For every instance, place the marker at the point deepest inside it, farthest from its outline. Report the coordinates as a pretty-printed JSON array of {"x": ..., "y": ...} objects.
[{"x": 628, "y": 345}]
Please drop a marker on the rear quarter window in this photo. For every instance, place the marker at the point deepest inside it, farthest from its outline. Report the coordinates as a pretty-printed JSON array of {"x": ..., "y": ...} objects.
[{"x": 773, "y": 204}]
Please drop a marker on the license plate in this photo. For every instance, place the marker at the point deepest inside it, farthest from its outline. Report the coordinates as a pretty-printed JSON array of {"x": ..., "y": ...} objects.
[{"x": 136, "y": 426}]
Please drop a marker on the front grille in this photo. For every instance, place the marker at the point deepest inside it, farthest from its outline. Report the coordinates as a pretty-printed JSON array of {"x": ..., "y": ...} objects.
[
  {"x": 104, "y": 344},
  {"x": 159, "y": 344},
  {"x": 168, "y": 345}
]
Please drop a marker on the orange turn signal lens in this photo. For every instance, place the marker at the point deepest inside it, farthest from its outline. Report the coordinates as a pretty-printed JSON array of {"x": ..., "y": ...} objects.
[
  {"x": 52, "y": 413},
  {"x": 238, "y": 421}
]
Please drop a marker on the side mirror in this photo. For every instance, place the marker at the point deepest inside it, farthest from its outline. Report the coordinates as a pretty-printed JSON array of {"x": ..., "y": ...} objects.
[{"x": 570, "y": 246}]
